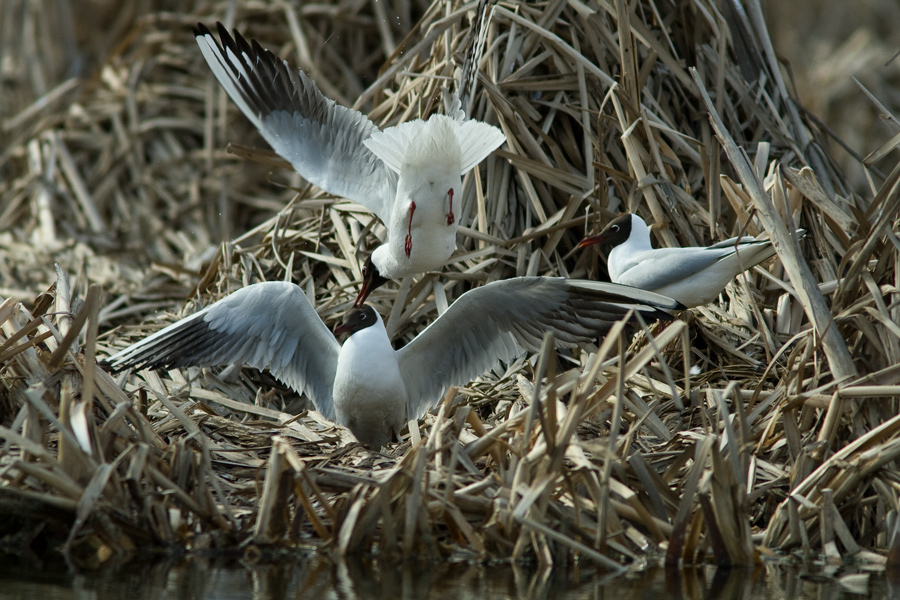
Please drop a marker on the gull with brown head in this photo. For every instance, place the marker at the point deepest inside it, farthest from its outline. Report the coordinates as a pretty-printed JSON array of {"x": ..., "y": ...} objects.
[
  {"x": 693, "y": 275},
  {"x": 365, "y": 384},
  {"x": 409, "y": 175}
]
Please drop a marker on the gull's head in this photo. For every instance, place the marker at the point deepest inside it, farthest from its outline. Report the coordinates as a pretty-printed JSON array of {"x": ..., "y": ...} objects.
[
  {"x": 372, "y": 279},
  {"x": 617, "y": 232},
  {"x": 358, "y": 320}
]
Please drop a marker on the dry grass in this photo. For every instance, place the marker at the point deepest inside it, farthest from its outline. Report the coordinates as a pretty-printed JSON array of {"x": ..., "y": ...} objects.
[{"x": 784, "y": 437}]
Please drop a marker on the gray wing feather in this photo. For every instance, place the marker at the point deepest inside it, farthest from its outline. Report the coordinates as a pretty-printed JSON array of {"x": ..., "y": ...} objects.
[
  {"x": 501, "y": 319},
  {"x": 266, "y": 325},
  {"x": 730, "y": 242},
  {"x": 675, "y": 264},
  {"x": 321, "y": 139}
]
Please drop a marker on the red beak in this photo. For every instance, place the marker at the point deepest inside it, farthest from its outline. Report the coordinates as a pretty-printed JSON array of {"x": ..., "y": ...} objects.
[
  {"x": 363, "y": 293},
  {"x": 590, "y": 241}
]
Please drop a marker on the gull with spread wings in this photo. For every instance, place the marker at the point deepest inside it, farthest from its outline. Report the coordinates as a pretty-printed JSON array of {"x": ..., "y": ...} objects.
[
  {"x": 365, "y": 384},
  {"x": 408, "y": 175}
]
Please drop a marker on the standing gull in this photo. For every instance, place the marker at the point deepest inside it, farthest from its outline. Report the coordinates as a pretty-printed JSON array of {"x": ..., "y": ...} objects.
[
  {"x": 694, "y": 275},
  {"x": 408, "y": 175},
  {"x": 365, "y": 384}
]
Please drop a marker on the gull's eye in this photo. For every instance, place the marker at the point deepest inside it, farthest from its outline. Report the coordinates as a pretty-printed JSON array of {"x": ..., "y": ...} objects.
[
  {"x": 363, "y": 316},
  {"x": 615, "y": 228}
]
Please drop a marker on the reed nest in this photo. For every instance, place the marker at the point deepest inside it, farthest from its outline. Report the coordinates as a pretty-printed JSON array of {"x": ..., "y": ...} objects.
[{"x": 762, "y": 424}]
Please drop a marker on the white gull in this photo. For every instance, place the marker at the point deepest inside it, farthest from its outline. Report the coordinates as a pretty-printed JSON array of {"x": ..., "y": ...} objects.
[
  {"x": 365, "y": 384},
  {"x": 408, "y": 175},
  {"x": 693, "y": 275}
]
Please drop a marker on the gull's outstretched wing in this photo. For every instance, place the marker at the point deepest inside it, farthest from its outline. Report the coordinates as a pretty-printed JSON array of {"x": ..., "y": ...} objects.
[
  {"x": 266, "y": 325},
  {"x": 321, "y": 139},
  {"x": 501, "y": 319}
]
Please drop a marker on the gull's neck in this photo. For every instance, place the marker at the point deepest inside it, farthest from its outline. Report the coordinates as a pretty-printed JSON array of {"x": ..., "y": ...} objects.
[
  {"x": 367, "y": 360},
  {"x": 624, "y": 256},
  {"x": 370, "y": 342},
  {"x": 369, "y": 393},
  {"x": 639, "y": 238}
]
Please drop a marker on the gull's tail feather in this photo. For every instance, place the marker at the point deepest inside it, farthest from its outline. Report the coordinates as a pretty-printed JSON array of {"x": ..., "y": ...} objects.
[{"x": 476, "y": 141}]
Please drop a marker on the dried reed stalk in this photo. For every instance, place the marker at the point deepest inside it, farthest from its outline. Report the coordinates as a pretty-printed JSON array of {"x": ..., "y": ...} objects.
[{"x": 767, "y": 419}]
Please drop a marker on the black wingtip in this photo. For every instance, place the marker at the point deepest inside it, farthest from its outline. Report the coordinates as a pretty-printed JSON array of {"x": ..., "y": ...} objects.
[
  {"x": 258, "y": 50},
  {"x": 201, "y": 30},
  {"x": 114, "y": 367},
  {"x": 135, "y": 363},
  {"x": 661, "y": 315}
]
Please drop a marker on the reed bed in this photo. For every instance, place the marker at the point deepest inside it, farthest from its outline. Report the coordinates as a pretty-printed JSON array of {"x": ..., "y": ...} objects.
[{"x": 764, "y": 424}]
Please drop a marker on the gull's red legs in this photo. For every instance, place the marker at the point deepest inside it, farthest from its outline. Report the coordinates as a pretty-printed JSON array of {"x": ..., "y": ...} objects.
[
  {"x": 408, "y": 245},
  {"x": 450, "y": 217}
]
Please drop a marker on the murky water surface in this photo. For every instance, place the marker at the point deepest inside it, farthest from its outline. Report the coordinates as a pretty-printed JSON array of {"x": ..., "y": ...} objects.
[{"x": 318, "y": 578}]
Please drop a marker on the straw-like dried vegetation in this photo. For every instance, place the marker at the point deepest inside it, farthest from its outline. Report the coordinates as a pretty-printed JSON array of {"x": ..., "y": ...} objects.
[{"x": 766, "y": 422}]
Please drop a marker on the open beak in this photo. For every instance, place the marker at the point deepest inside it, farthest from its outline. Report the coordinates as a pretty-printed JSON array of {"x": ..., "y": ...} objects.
[
  {"x": 590, "y": 241},
  {"x": 363, "y": 293}
]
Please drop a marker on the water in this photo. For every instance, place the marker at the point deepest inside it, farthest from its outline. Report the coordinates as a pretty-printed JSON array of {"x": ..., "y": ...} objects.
[{"x": 318, "y": 578}]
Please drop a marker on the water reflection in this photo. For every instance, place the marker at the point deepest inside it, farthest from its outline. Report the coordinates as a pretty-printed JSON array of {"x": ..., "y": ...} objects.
[{"x": 315, "y": 577}]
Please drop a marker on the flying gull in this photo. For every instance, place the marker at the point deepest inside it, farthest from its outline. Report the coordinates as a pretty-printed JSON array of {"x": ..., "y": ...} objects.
[{"x": 409, "y": 175}]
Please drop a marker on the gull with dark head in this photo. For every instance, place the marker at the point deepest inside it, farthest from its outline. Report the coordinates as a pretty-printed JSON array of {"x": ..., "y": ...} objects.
[
  {"x": 693, "y": 275},
  {"x": 365, "y": 384},
  {"x": 410, "y": 175}
]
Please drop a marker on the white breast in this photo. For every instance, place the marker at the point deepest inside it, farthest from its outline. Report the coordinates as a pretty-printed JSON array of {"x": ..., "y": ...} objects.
[{"x": 369, "y": 396}]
